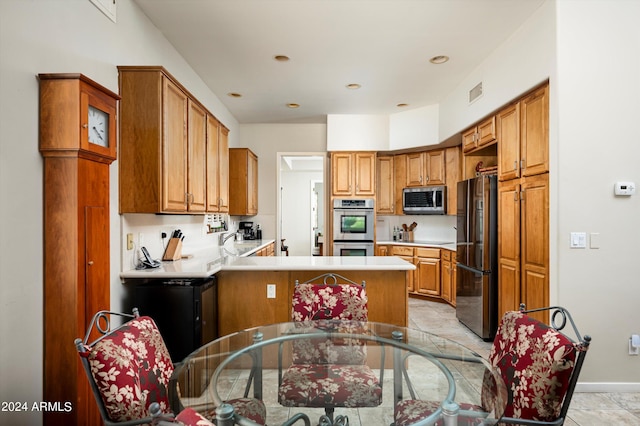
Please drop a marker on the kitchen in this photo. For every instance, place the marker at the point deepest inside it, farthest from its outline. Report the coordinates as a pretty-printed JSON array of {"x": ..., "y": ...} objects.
[{"x": 27, "y": 52}]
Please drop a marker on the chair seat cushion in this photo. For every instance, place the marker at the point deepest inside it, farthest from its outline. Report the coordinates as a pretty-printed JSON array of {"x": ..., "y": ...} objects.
[
  {"x": 190, "y": 417},
  {"x": 329, "y": 385},
  {"x": 249, "y": 408},
  {"x": 132, "y": 368},
  {"x": 410, "y": 411}
]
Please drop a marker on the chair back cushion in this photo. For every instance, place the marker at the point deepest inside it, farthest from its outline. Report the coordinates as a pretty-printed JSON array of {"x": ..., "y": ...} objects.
[
  {"x": 536, "y": 363},
  {"x": 132, "y": 368},
  {"x": 327, "y": 301}
]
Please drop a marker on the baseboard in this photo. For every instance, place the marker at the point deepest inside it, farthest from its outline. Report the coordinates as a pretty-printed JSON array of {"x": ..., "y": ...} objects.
[{"x": 608, "y": 387}]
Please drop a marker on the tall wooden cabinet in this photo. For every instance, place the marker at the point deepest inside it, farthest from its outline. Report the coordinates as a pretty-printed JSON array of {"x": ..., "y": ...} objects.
[
  {"x": 243, "y": 182},
  {"x": 78, "y": 143},
  {"x": 523, "y": 197},
  {"x": 353, "y": 174},
  {"x": 385, "y": 202},
  {"x": 166, "y": 163}
]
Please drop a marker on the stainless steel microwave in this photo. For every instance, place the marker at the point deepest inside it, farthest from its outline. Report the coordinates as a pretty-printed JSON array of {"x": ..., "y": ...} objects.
[{"x": 425, "y": 200}]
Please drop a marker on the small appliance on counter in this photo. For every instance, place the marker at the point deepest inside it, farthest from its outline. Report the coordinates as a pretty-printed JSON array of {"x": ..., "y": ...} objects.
[{"x": 246, "y": 228}]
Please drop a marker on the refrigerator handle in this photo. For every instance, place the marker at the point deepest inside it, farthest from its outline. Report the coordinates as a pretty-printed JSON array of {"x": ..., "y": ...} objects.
[{"x": 468, "y": 268}]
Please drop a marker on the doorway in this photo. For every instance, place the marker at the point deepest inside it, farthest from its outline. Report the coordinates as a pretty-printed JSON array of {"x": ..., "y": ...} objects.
[{"x": 301, "y": 202}]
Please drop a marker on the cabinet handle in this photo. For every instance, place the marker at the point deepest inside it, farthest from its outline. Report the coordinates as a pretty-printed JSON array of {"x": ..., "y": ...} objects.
[
  {"x": 521, "y": 195},
  {"x": 515, "y": 164},
  {"x": 90, "y": 263},
  {"x": 515, "y": 196},
  {"x": 427, "y": 180},
  {"x": 522, "y": 163}
]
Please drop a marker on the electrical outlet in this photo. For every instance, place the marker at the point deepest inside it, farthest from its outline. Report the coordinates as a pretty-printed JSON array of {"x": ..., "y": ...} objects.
[
  {"x": 129, "y": 241},
  {"x": 271, "y": 291}
]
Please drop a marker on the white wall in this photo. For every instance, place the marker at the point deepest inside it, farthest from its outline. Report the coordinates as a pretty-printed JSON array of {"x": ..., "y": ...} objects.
[
  {"x": 598, "y": 88},
  {"x": 357, "y": 132},
  {"x": 45, "y": 36},
  {"x": 266, "y": 141},
  {"x": 416, "y": 127}
]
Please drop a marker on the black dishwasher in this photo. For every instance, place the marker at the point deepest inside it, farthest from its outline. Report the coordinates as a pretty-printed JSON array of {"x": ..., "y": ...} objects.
[{"x": 185, "y": 311}]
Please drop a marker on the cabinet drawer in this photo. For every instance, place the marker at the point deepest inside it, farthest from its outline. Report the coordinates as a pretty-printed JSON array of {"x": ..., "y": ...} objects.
[
  {"x": 428, "y": 252},
  {"x": 402, "y": 251},
  {"x": 446, "y": 255}
]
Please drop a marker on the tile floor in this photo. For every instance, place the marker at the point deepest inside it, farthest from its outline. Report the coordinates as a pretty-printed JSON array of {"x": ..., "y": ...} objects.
[{"x": 587, "y": 409}]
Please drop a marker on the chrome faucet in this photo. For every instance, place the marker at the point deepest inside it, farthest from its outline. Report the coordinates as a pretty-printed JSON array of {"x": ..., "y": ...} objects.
[{"x": 224, "y": 236}]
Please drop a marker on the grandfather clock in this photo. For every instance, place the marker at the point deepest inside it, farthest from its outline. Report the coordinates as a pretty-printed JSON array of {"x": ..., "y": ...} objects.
[{"x": 78, "y": 142}]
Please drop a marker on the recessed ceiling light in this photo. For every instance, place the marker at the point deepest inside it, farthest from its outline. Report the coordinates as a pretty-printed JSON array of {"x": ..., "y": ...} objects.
[
  {"x": 353, "y": 86},
  {"x": 292, "y": 105},
  {"x": 234, "y": 95},
  {"x": 440, "y": 59},
  {"x": 281, "y": 58},
  {"x": 402, "y": 105}
]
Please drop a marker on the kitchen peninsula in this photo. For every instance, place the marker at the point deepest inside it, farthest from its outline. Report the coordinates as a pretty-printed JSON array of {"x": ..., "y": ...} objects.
[{"x": 242, "y": 281}]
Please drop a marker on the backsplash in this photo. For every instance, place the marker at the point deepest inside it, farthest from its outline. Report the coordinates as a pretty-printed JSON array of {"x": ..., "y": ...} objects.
[
  {"x": 147, "y": 230},
  {"x": 430, "y": 227}
]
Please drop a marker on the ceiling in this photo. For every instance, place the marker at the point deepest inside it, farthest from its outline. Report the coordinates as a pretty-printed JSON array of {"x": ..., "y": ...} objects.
[{"x": 382, "y": 45}]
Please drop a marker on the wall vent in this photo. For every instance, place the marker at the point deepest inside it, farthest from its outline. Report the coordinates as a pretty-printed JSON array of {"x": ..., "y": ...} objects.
[{"x": 475, "y": 93}]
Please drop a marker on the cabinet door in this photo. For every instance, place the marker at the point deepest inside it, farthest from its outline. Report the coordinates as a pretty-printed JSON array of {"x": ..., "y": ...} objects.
[
  {"x": 197, "y": 160},
  {"x": 469, "y": 142},
  {"x": 508, "y": 246},
  {"x": 365, "y": 173},
  {"x": 400, "y": 178},
  {"x": 213, "y": 164},
  {"x": 428, "y": 276},
  {"x": 223, "y": 176},
  {"x": 454, "y": 282},
  {"x": 341, "y": 173},
  {"x": 415, "y": 168},
  {"x": 411, "y": 274},
  {"x": 174, "y": 153},
  {"x": 508, "y": 123},
  {"x": 535, "y": 132},
  {"x": 434, "y": 166},
  {"x": 487, "y": 132},
  {"x": 453, "y": 173},
  {"x": 534, "y": 251},
  {"x": 252, "y": 183},
  {"x": 382, "y": 250},
  {"x": 446, "y": 281},
  {"x": 384, "y": 186}
]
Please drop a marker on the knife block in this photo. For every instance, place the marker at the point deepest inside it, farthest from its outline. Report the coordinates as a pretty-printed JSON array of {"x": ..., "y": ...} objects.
[{"x": 173, "y": 250}]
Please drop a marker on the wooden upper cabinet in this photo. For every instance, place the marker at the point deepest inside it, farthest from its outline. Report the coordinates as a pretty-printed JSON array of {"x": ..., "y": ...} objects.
[
  {"x": 534, "y": 128},
  {"x": 453, "y": 173},
  {"x": 385, "y": 185},
  {"x": 509, "y": 142},
  {"x": 523, "y": 136},
  {"x": 197, "y": 159},
  {"x": 217, "y": 154},
  {"x": 353, "y": 173},
  {"x": 481, "y": 135},
  {"x": 425, "y": 168},
  {"x": 243, "y": 182},
  {"x": 165, "y": 163},
  {"x": 174, "y": 148}
]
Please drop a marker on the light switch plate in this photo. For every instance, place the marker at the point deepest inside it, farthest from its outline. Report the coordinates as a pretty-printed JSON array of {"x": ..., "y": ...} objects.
[
  {"x": 578, "y": 240},
  {"x": 271, "y": 291}
]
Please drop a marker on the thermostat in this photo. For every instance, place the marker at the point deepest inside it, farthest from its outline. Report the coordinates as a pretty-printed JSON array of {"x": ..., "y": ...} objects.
[{"x": 625, "y": 188}]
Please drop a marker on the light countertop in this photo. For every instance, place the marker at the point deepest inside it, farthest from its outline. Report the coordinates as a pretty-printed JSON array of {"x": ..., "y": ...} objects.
[
  {"x": 235, "y": 256},
  {"x": 447, "y": 245}
]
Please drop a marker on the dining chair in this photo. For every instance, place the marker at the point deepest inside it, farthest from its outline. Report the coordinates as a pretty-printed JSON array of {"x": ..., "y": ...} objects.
[
  {"x": 329, "y": 372},
  {"x": 538, "y": 363},
  {"x": 129, "y": 368}
]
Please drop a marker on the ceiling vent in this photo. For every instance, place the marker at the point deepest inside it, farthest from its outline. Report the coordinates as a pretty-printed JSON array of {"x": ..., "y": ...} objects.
[{"x": 475, "y": 93}]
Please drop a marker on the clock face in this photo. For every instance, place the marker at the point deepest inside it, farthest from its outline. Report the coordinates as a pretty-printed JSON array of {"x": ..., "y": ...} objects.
[{"x": 98, "y": 127}]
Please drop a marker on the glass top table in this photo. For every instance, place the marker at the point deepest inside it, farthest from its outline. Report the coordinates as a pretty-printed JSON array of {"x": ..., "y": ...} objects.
[{"x": 410, "y": 364}]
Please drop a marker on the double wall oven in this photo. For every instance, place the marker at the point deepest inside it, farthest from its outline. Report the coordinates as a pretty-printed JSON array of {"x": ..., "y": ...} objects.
[{"x": 353, "y": 225}]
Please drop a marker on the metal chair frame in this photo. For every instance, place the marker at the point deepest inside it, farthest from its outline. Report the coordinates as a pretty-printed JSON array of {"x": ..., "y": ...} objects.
[
  {"x": 101, "y": 322},
  {"x": 331, "y": 279}
]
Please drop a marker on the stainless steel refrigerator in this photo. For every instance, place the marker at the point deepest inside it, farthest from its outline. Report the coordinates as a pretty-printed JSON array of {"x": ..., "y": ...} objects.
[{"x": 477, "y": 255}]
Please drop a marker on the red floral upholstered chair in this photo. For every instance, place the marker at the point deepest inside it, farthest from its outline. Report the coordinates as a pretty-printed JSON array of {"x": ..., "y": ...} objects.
[
  {"x": 129, "y": 369},
  {"x": 539, "y": 365},
  {"x": 329, "y": 372}
]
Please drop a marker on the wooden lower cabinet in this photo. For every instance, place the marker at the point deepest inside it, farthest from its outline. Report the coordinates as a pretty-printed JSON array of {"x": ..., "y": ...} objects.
[
  {"x": 523, "y": 244},
  {"x": 241, "y": 290},
  {"x": 267, "y": 251},
  {"x": 428, "y": 278},
  {"x": 448, "y": 289}
]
